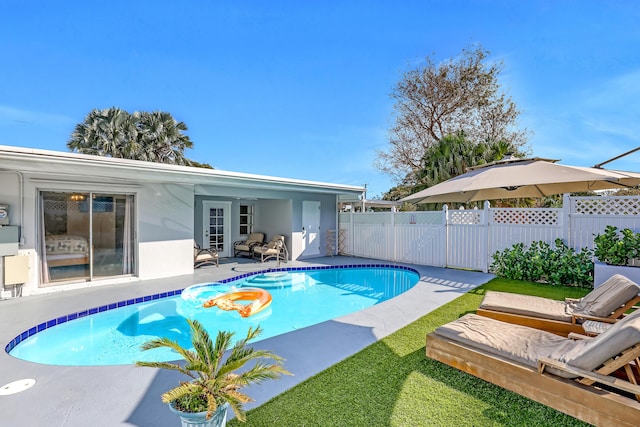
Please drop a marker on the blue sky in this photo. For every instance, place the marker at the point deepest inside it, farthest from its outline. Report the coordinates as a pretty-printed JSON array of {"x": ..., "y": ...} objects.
[{"x": 301, "y": 89}]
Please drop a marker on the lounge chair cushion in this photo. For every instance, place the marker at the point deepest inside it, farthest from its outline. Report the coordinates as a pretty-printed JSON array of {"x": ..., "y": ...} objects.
[
  {"x": 527, "y": 305},
  {"x": 526, "y": 345},
  {"x": 622, "y": 335},
  {"x": 608, "y": 297},
  {"x": 255, "y": 238},
  {"x": 600, "y": 302},
  {"x": 272, "y": 246},
  {"x": 513, "y": 342},
  {"x": 252, "y": 240}
]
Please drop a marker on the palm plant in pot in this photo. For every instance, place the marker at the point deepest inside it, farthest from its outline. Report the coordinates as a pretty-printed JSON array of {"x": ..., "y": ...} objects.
[{"x": 215, "y": 381}]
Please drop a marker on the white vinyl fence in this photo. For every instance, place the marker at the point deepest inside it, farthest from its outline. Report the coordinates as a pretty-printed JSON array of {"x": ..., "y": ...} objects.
[{"x": 469, "y": 238}]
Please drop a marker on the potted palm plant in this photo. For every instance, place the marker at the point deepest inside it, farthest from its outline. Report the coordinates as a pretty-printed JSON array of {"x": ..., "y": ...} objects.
[
  {"x": 215, "y": 381},
  {"x": 617, "y": 252}
]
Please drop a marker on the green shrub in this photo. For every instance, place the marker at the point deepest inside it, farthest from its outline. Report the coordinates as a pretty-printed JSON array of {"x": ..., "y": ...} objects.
[
  {"x": 540, "y": 262},
  {"x": 617, "y": 248}
]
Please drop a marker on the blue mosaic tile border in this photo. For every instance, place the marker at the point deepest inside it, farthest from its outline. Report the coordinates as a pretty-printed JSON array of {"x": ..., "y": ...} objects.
[{"x": 69, "y": 317}]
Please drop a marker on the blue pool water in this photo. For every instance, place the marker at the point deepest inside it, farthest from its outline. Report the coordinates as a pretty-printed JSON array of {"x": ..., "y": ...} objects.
[{"x": 300, "y": 299}]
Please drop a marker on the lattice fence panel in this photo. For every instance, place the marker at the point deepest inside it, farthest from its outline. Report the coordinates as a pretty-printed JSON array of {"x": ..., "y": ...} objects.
[
  {"x": 617, "y": 205},
  {"x": 462, "y": 217},
  {"x": 551, "y": 217}
]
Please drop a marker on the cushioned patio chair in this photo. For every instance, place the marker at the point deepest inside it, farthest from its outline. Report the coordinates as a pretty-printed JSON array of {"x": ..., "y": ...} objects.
[
  {"x": 245, "y": 247},
  {"x": 276, "y": 248},
  {"x": 204, "y": 256},
  {"x": 560, "y": 372},
  {"x": 607, "y": 303}
]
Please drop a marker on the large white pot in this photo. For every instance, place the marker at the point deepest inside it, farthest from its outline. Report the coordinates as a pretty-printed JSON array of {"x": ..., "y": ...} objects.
[
  {"x": 199, "y": 419},
  {"x": 602, "y": 272}
]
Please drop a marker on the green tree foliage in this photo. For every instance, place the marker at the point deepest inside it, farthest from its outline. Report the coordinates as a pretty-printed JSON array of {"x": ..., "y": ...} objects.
[
  {"x": 200, "y": 165},
  {"x": 148, "y": 136},
  {"x": 450, "y": 157},
  {"x": 454, "y": 154},
  {"x": 437, "y": 99}
]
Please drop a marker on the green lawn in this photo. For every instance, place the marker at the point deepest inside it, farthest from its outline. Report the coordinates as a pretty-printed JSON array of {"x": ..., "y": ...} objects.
[{"x": 393, "y": 383}]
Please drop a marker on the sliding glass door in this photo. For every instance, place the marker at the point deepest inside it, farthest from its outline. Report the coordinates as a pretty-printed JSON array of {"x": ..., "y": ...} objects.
[{"x": 86, "y": 235}]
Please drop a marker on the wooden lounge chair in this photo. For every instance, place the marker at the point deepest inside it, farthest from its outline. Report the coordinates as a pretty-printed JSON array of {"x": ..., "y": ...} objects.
[
  {"x": 245, "y": 247},
  {"x": 607, "y": 303},
  {"x": 204, "y": 256},
  {"x": 276, "y": 248},
  {"x": 565, "y": 374}
]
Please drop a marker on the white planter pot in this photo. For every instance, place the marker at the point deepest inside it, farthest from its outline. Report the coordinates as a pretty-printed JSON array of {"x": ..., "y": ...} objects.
[
  {"x": 199, "y": 419},
  {"x": 602, "y": 272}
]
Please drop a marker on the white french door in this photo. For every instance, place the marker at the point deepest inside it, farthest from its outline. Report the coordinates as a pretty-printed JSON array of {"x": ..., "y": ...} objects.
[
  {"x": 310, "y": 228},
  {"x": 216, "y": 227}
]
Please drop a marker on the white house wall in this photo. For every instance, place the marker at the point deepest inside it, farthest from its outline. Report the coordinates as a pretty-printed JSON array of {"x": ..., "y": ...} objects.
[
  {"x": 165, "y": 230},
  {"x": 273, "y": 217},
  {"x": 167, "y": 206},
  {"x": 164, "y": 225}
]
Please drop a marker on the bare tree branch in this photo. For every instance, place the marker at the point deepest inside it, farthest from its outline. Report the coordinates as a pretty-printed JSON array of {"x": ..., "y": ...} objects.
[{"x": 436, "y": 100}]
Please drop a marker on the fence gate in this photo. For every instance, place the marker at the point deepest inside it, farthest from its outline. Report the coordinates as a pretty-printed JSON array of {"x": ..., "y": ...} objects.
[
  {"x": 467, "y": 239},
  {"x": 420, "y": 238}
]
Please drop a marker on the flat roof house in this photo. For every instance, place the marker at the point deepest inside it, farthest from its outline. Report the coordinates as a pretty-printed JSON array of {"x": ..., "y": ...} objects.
[{"x": 73, "y": 220}]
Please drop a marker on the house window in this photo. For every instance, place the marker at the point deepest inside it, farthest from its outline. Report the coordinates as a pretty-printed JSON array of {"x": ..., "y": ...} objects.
[{"x": 246, "y": 219}]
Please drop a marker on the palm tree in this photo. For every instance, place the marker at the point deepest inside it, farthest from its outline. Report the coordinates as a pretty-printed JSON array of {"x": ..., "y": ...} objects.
[
  {"x": 214, "y": 380},
  {"x": 107, "y": 132},
  {"x": 112, "y": 132},
  {"x": 162, "y": 139},
  {"x": 454, "y": 154},
  {"x": 449, "y": 157}
]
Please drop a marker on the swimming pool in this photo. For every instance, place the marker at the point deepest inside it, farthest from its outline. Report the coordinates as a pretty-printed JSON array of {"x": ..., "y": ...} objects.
[{"x": 112, "y": 334}]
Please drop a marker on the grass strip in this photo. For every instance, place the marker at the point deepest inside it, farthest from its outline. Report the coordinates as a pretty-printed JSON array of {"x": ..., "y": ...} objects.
[{"x": 393, "y": 383}]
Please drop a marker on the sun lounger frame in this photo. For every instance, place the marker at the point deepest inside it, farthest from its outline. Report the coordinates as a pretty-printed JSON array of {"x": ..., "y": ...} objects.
[{"x": 588, "y": 403}]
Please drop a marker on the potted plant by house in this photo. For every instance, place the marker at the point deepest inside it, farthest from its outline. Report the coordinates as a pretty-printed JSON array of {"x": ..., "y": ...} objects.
[
  {"x": 616, "y": 252},
  {"x": 216, "y": 378}
]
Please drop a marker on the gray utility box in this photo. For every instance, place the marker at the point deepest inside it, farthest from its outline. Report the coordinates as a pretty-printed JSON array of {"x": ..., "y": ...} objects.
[
  {"x": 8, "y": 240},
  {"x": 4, "y": 214}
]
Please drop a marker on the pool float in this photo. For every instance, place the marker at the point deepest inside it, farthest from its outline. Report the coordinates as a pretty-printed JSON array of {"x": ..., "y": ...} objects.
[
  {"x": 261, "y": 300},
  {"x": 197, "y": 294}
]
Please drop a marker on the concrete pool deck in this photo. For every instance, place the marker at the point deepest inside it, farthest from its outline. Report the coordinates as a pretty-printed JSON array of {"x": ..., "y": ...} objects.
[{"x": 126, "y": 395}]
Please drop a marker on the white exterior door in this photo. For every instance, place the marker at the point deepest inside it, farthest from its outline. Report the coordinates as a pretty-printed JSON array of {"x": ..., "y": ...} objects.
[
  {"x": 310, "y": 228},
  {"x": 216, "y": 227}
]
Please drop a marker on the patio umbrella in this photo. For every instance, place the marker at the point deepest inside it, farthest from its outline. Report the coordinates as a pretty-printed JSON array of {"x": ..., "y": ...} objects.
[{"x": 517, "y": 178}]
